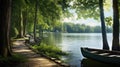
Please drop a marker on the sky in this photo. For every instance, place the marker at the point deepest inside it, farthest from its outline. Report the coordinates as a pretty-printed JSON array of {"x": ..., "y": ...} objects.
[{"x": 89, "y": 21}]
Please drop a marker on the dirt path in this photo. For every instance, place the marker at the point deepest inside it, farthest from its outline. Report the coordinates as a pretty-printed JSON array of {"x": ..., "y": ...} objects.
[{"x": 34, "y": 60}]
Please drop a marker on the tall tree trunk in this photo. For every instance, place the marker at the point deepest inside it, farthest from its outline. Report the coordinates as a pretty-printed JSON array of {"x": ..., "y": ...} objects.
[
  {"x": 35, "y": 20},
  {"x": 24, "y": 22},
  {"x": 20, "y": 26},
  {"x": 104, "y": 37},
  {"x": 5, "y": 16},
  {"x": 115, "y": 43}
]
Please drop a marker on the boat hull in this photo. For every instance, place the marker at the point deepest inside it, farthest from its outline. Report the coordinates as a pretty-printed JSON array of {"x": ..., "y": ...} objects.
[{"x": 86, "y": 52}]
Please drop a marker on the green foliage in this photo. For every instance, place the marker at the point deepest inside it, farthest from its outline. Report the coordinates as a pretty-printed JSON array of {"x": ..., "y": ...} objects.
[
  {"x": 87, "y": 8},
  {"x": 58, "y": 27},
  {"x": 49, "y": 50},
  {"x": 107, "y": 5},
  {"x": 49, "y": 12},
  {"x": 19, "y": 11},
  {"x": 109, "y": 21},
  {"x": 64, "y": 3},
  {"x": 50, "y": 15},
  {"x": 78, "y": 28}
]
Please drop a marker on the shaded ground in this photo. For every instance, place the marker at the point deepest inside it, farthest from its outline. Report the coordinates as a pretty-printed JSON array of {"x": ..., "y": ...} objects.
[
  {"x": 94, "y": 63},
  {"x": 34, "y": 60}
]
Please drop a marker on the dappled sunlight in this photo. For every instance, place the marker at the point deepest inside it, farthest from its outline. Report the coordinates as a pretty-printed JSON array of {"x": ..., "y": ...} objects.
[
  {"x": 43, "y": 62},
  {"x": 35, "y": 60},
  {"x": 50, "y": 33},
  {"x": 17, "y": 43},
  {"x": 22, "y": 50}
]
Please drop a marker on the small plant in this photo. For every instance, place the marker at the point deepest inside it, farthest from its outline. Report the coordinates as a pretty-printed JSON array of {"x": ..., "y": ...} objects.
[{"x": 50, "y": 50}]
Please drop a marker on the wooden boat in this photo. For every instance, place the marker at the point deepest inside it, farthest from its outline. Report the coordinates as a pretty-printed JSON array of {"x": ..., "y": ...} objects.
[{"x": 105, "y": 56}]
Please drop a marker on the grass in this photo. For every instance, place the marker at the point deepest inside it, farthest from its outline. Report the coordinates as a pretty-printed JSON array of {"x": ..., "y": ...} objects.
[
  {"x": 14, "y": 59},
  {"x": 50, "y": 50}
]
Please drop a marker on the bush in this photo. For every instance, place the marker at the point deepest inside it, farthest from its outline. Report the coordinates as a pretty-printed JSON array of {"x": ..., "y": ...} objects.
[{"x": 50, "y": 50}]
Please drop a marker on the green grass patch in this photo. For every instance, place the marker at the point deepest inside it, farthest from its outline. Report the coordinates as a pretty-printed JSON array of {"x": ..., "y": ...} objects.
[{"x": 50, "y": 50}]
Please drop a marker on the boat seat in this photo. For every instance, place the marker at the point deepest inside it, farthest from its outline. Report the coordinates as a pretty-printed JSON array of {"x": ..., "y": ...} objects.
[
  {"x": 114, "y": 56},
  {"x": 104, "y": 54},
  {"x": 118, "y": 56},
  {"x": 94, "y": 51}
]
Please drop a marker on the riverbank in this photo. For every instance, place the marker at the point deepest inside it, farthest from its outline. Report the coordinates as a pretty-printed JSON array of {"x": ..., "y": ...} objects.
[{"x": 34, "y": 60}]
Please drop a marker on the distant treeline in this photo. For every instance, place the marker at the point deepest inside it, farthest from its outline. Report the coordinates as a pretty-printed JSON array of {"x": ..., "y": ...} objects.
[{"x": 79, "y": 28}]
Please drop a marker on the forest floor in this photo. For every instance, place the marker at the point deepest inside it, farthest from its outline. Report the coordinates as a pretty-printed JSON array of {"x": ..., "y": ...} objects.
[{"x": 34, "y": 59}]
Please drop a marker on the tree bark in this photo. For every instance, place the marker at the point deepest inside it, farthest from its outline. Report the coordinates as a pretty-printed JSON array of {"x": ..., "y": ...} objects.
[
  {"x": 104, "y": 37},
  {"x": 5, "y": 16},
  {"x": 115, "y": 42},
  {"x": 24, "y": 22},
  {"x": 35, "y": 20},
  {"x": 20, "y": 26}
]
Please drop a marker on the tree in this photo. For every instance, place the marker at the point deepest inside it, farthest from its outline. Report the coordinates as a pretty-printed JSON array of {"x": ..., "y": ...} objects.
[
  {"x": 45, "y": 14},
  {"x": 35, "y": 19},
  {"x": 5, "y": 16},
  {"x": 24, "y": 21},
  {"x": 115, "y": 42},
  {"x": 19, "y": 11},
  {"x": 89, "y": 9},
  {"x": 104, "y": 37}
]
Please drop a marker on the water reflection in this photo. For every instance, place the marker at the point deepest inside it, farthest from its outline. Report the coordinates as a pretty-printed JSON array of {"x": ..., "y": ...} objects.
[
  {"x": 53, "y": 38},
  {"x": 93, "y": 63},
  {"x": 71, "y": 43}
]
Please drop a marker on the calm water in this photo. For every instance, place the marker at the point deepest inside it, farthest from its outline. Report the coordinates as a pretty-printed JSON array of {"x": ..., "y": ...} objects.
[{"x": 71, "y": 42}]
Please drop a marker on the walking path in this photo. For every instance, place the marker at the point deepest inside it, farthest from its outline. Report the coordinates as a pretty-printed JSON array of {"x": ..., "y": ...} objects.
[{"x": 34, "y": 60}]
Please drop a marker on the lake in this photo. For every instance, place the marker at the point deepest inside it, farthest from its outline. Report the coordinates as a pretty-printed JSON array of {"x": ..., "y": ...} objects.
[{"x": 71, "y": 43}]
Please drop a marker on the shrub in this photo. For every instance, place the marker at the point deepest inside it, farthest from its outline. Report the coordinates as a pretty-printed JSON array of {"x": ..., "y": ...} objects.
[{"x": 50, "y": 50}]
